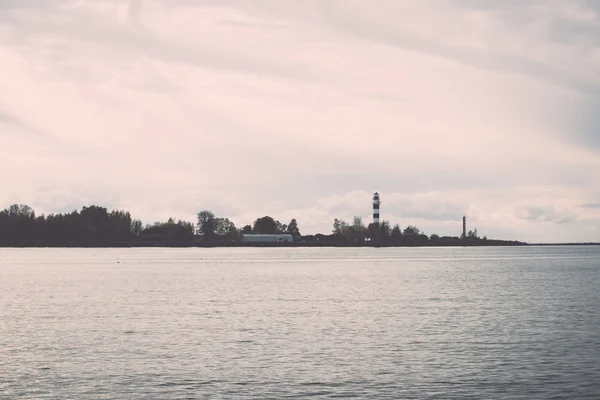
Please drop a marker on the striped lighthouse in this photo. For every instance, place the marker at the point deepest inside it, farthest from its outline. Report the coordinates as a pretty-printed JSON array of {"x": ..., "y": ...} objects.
[{"x": 376, "y": 203}]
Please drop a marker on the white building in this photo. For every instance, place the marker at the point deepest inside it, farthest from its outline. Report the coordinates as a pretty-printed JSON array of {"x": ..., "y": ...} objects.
[{"x": 267, "y": 238}]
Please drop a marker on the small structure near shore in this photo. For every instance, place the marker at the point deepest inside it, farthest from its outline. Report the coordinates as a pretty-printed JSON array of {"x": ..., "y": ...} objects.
[{"x": 267, "y": 238}]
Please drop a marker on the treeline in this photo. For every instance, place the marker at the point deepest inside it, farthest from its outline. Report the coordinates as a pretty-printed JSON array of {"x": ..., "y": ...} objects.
[
  {"x": 93, "y": 225},
  {"x": 96, "y": 226},
  {"x": 212, "y": 228},
  {"x": 384, "y": 233}
]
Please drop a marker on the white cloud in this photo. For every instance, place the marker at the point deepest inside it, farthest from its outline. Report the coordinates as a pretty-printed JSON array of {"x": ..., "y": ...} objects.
[{"x": 303, "y": 109}]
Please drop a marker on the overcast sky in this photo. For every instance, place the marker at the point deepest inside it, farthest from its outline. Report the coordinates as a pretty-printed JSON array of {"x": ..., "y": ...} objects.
[{"x": 304, "y": 108}]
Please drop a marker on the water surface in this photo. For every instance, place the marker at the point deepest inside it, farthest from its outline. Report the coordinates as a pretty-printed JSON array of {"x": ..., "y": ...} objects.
[{"x": 389, "y": 323}]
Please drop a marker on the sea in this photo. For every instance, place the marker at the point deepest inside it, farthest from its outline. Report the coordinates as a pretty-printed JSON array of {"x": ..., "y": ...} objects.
[{"x": 279, "y": 323}]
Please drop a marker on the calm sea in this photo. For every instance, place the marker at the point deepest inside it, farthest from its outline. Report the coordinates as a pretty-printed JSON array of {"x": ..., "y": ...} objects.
[{"x": 389, "y": 323}]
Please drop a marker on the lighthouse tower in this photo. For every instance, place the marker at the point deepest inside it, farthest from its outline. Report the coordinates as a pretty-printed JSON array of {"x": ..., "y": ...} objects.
[{"x": 376, "y": 203}]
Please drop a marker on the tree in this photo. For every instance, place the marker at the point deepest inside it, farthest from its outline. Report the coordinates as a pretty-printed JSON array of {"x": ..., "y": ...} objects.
[
  {"x": 357, "y": 230},
  {"x": 206, "y": 223},
  {"x": 223, "y": 226},
  {"x": 119, "y": 225},
  {"x": 339, "y": 227},
  {"x": 136, "y": 227},
  {"x": 293, "y": 227},
  {"x": 434, "y": 237},
  {"x": 233, "y": 233},
  {"x": 412, "y": 230},
  {"x": 342, "y": 229},
  {"x": 20, "y": 210},
  {"x": 280, "y": 228},
  {"x": 473, "y": 234},
  {"x": 246, "y": 229},
  {"x": 373, "y": 230},
  {"x": 95, "y": 222},
  {"x": 385, "y": 228},
  {"x": 17, "y": 224},
  {"x": 358, "y": 224},
  {"x": 265, "y": 225},
  {"x": 350, "y": 233},
  {"x": 382, "y": 229},
  {"x": 396, "y": 232},
  {"x": 170, "y": 230},
  {"x": 184, "y": 230}
]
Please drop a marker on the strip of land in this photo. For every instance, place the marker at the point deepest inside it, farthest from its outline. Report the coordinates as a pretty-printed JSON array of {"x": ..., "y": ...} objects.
[{"x": 94, "y": 226}]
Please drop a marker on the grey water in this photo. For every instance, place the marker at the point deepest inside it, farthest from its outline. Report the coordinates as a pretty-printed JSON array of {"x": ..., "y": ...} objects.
[{"x": 388, "y": 323}]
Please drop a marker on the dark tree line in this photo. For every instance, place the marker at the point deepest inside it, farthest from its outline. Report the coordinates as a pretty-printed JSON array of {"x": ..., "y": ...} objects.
[
  {"x": 91, "y": 226},
  {"x": 216, "y": 228},
  {"x": 96, "y": 226},
  {"x": 357, "y": 231}
]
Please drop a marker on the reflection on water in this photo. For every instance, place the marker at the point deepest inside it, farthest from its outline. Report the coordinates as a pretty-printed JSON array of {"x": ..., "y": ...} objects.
[{"x": 481, "y": 323}]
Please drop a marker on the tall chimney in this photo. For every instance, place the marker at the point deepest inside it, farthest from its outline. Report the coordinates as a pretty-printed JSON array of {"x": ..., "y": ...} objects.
[{"x": 464, "y": 235}]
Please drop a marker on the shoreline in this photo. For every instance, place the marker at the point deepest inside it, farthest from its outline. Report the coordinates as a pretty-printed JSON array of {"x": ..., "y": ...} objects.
[
  {"x": 219, "y": 244},
  {"x": 269, "y": 245}
]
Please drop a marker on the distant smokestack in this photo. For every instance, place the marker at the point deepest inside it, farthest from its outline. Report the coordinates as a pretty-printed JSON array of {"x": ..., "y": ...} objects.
[
  {"x": 376, "y": 203},
  {"x": 464, "y": 227}
]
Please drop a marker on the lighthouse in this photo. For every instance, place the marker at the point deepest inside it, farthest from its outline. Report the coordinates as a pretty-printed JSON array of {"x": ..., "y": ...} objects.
[{"x": 376, "y": 203}]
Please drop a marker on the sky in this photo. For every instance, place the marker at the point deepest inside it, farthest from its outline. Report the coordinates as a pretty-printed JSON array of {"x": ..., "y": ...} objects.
[{"x": 489, "y": 109}]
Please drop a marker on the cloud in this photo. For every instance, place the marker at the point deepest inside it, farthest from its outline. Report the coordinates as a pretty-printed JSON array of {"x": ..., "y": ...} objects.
[
  {"x": 303, "y": 109},
  {"x": 590, "y": 205},
  {"x": 547, "y": 214},
  {"x": 493, "y": 36},
  {"x": 7, "y": 119},
  {"x": 66, "y": 198},
  {"x": 11, "y": 123}
]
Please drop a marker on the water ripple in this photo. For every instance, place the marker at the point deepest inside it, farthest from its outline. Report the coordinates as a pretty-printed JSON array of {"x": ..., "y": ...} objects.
[{"x": 167, "y": 324}]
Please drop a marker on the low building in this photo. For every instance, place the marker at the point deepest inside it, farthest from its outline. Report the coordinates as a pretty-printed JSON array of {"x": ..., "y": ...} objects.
[{"x": 267, "y": 238}]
